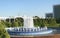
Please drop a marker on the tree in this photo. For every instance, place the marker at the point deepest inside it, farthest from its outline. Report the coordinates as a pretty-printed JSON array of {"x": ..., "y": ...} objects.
[
  {"x": 58, "y": 20},
  {"x": 7, "y": 24},
  {"x": 14, "y": 24},
  {"x": 3, "y": 32},
  {"x": 52, "y": 22},
  {"x": 3, "y": 23},
  {"x": 36, "y": 20},
  {"x": 20, "y": 21}
]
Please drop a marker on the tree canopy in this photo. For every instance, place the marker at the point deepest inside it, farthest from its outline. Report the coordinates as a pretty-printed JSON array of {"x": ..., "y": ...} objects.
[{"x": 3, "y": 32}]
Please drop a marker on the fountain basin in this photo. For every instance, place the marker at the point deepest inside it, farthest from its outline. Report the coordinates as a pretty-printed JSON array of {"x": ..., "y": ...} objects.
[{"x": 29, "y": 31}]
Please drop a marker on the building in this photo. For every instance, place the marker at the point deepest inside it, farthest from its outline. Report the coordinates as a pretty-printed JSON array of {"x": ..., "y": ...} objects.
[
  {"x": 56, "y": 10},
  {"x": 49, "y": 15}
]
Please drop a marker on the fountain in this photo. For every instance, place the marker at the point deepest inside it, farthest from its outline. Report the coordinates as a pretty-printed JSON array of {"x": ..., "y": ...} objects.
[
  {"x": 28, "y": 22},
  {"x": 28, "y": 29}
]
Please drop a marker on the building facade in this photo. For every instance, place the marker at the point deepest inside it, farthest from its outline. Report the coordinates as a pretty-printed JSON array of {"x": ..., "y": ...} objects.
[
  {"x": 49, "y": 15},
  {"x": 56, "y": 10}
]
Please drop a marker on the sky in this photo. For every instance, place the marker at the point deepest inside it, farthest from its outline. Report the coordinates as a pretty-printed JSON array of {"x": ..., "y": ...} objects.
[{"x": 27, "y": 7}]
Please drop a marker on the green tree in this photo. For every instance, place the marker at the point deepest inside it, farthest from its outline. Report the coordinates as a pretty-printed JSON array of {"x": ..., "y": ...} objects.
[
  {"x": 3, "y": 32},
  {"x": 8, "y": 24},
  {"x": 14, "y": 24},
  {"x": 52, "y": 22},
  {"x": 36, "y": 20},
  {"x": 3, "y": 23},
  {"x": 39, "y": 21},
  {"x": 20, "y": 21},
  {"x": 58, "y": 20}
]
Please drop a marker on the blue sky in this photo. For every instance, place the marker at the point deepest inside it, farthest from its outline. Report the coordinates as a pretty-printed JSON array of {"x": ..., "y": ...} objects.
[{"x": 27, "y": 7}]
